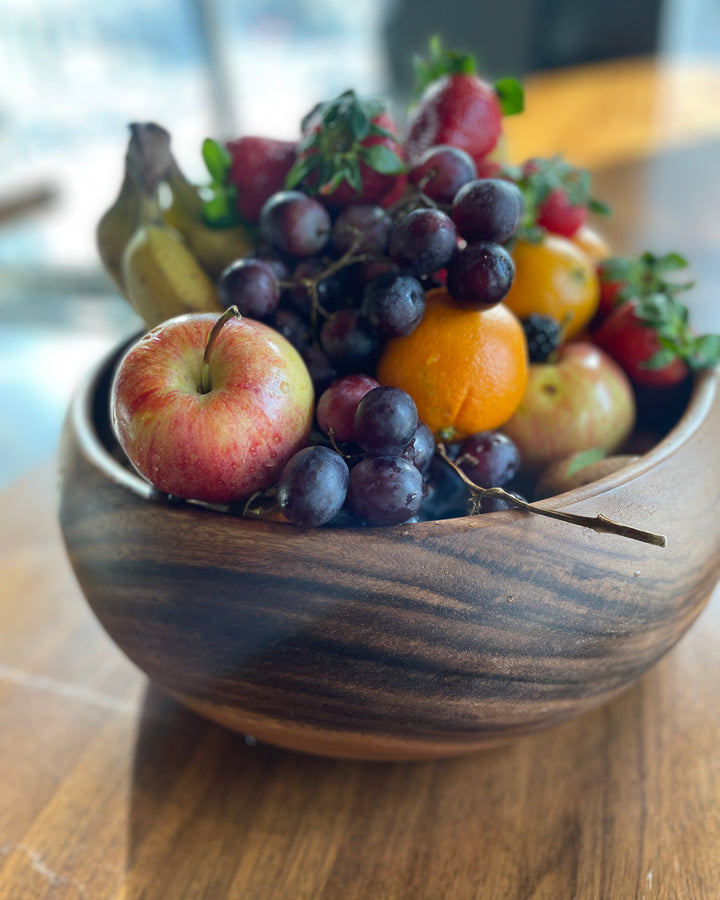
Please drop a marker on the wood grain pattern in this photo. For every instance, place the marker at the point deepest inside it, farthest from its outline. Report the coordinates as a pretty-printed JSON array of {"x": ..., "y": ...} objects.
[
  {"x": 394, "y": 643},
  {"x": 113, "y": 791}
]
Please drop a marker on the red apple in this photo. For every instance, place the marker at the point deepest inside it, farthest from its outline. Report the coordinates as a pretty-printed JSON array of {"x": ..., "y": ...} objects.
[
  {"x": 583, "y": 400},
  {"x": 217, "y": 430}
]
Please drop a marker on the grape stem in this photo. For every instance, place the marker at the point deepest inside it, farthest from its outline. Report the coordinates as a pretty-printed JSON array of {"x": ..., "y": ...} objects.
[
  {"x": 598, "y": 523},
  {"x": 311, "y": 284}
]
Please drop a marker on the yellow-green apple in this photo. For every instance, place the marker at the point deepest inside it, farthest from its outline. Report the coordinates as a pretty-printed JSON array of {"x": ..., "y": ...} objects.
[
  {"x": 211, "y": 407},
  {"x": 579, "y": 401}
]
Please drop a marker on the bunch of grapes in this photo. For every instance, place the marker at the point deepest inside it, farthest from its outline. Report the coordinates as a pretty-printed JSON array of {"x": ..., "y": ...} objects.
[{"x": 339, "y": 283}]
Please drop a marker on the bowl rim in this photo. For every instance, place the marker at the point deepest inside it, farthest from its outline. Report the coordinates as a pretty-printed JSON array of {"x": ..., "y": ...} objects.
[{"x": 81, "y": 416}]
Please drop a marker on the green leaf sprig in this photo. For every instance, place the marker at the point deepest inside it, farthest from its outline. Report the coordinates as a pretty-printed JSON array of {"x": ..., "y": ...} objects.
[
  {"x": 219, "y": 209},
  {"x": 538, "y": 177}
]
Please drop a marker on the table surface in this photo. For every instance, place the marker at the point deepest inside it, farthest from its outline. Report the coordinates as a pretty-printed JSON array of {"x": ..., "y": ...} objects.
[{"x": 109, "y": 789}]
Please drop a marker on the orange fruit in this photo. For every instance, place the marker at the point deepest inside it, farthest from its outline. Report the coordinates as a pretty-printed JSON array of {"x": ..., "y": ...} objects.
[
  {"x": 555, "y": 278},
  {"x": 591, "y": 242},
  {"x": 465, "y": 369}
]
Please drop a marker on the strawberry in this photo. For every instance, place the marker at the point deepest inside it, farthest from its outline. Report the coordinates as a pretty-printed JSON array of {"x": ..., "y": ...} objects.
[
  {"x": 650, "y": 338},
  {"x": 349, "y": 152},
  {"x": 458, "y": 108},
  {"x": 258, "y": 169},
  {"x": 557, "y": 196},
  {"x": 244, "y": 173},
  {"x": 622, "y": 279}
]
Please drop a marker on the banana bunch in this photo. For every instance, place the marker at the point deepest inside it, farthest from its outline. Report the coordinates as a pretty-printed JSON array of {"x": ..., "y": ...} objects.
[{"x": 163, "y": 257}]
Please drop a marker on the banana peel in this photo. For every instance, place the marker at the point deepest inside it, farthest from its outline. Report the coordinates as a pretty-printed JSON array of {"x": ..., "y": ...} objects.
[
  {"x": 215, "y": 248},
  {"x": 147, "y": 161},
  {"x": 164, "y": 261},
  {"x": 163, "y": 278}
]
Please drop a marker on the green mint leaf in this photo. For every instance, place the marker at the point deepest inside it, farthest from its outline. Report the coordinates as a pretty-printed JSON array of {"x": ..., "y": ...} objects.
[
  {"x": 381, "y": 159},
  {"x": 217, "y": 160},
  {"x": 220, "y": 211},
  {"x": 511, "y": 96}
]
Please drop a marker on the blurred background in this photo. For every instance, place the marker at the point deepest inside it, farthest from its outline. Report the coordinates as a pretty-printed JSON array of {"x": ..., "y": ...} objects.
[{"x": 74, "y": 73}]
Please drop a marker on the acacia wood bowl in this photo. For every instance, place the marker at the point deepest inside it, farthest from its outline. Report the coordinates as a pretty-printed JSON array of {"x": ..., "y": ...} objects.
[{"x": 407, "y": 642}]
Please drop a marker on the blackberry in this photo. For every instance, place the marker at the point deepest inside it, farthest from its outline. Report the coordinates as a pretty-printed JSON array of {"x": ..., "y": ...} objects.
[{"x": 543, "y": 336}]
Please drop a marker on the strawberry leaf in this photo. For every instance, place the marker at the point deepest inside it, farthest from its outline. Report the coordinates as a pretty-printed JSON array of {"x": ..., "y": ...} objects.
[
  {"x": 669, "y": 263},
  {"x": 358, "y": 121},
  {"x": 663, "y": 357},
  {"x": 511, "y": 96},
  {"x": 538, "y": 177},
  {"x": 441, "y": 62},
  {"x": 301, "y": 169},
  {"x": 598, "y": 207},
  {"x": 382, "y": 159},
  {"x": 704, "y": 351}
]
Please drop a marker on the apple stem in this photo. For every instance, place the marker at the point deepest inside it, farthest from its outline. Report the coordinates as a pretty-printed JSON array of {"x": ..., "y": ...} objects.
[
  {"x": 598, "y": 523},
  {"x": 232, "y": 312}
]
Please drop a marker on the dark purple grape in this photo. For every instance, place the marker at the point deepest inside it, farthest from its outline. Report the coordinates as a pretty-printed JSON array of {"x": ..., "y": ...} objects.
[
  {"x": 385, "y": 490},
  {"x": 278, "y": 265},
  {"x": 292, "y": 326},
  {"x": 336, "y": 406},
  {"x": 251, "y": 285},
  {"x": 423, "y": 241},
  {"x": 295, "y": 223},
  {"x": 441, "y": 171},
  {"x": 394, "y": 304},
  {"x": 348, "y": 338},
  {"x": 374, "y": 268},
  {"x": 313, "y": 486},
  {"x": 489, "y": 458},
  {"x": 421, "y": 448},
  {"x": 322, "y": 371},
  {"x": 480, "y": 275},
  {"x": 385, "y": 421},
  {"x": 365, "y": 228},
  {"x": 446, "y": 497},
  {"x": 488, "y": 209}
]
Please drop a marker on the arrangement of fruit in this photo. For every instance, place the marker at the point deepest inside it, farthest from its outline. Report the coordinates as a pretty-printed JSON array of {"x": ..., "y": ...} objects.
[{"x": 369, "y": 326}]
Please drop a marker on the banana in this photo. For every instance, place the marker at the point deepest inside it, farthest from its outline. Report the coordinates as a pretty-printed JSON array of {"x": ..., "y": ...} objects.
[
  {"x": 147, "y": 160},
  {"x": 215, "y": 248},
  {"x": 162, "y": 277},
  {"x": 117, "y": 224}
]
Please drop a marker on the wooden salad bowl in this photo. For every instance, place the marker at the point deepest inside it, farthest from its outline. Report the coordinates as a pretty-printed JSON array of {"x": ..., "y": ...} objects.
[{"x": 407, "y": 642}]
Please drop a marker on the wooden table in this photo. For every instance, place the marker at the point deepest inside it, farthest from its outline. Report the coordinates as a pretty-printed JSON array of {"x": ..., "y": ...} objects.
[{"x": 108, "y": 789}]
